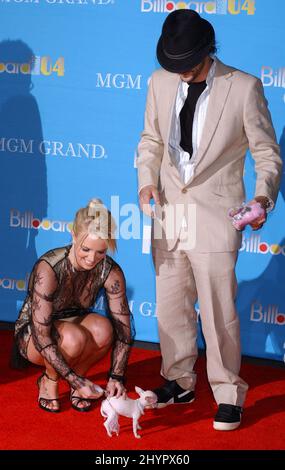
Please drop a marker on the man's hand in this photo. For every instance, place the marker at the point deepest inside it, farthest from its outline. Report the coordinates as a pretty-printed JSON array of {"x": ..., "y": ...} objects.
[
  {"x": 265, "y": 203},
  {"x": 146, "y": 194}
]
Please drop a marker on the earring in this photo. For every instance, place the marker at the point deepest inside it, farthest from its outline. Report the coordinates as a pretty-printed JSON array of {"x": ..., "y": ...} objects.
[
  {"x": 104, "y": 268},
  {"x": 72, "y": 260}
]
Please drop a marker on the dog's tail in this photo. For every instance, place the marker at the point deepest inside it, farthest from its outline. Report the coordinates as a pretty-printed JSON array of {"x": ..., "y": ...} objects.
[{"x": 111, "y": 423}]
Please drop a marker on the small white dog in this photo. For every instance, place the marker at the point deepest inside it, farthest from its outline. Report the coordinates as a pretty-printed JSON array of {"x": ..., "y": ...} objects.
[{"x": 112, "y": 407}]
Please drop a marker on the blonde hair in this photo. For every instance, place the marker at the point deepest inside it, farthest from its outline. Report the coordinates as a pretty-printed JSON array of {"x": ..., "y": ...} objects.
[{"x": 96, "y": 219}]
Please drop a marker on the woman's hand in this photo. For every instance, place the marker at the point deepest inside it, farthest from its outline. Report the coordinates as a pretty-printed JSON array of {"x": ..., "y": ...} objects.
[
  {"x": 116, "y": 389},
  {"x": 89, "y": 390}
]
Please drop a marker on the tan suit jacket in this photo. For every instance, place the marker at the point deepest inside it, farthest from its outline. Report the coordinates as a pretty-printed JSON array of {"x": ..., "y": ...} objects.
[{"x": 237, "y": 119}]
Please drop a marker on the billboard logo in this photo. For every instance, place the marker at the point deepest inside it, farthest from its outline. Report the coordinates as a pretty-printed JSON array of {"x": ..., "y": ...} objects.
[
  {"x": 217, "y": 7},
  {"x": 253, "y": 244},
  {"x": 14, "y": 284},
  {"x": 269, "y": 314},
  {"x": 38, "y": 66},
  {"x": 28, "y": 221},
  {"x": 273, "y": 77}
]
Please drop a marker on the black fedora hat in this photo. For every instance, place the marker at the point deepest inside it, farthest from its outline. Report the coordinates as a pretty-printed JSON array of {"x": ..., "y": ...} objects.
[{"x": 186, "y": 39}]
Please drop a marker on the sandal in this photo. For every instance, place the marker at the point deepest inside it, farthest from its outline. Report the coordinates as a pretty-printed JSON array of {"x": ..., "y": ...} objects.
[
  {"x": 44, "y": 402},
  {"x": 76, "y": 400}
]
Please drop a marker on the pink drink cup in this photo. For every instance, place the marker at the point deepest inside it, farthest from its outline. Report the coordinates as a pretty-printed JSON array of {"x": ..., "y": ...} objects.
[{"x": 246, "y": 214}]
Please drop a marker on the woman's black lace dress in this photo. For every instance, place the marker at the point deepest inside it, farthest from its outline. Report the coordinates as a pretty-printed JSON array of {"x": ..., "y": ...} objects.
[{"x": 58, "y": 291}]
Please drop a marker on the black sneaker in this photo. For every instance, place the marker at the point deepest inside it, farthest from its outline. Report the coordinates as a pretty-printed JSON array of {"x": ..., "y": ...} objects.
[
  {"x": 228, "y": 417},
  {"x": 171, "y": 393}
]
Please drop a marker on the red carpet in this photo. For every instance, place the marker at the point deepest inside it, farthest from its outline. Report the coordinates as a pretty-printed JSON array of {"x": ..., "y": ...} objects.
[{"x": 25, "y": 426}]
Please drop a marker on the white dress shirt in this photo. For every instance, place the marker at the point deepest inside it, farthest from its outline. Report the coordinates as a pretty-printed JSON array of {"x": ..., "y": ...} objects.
[{"x": 179, "y": 157}]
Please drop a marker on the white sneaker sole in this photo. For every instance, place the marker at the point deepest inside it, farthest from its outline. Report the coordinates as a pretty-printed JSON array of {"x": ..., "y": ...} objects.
[
  {"x": 171, "y": 402},
  {"x": 219, "y": 426}
]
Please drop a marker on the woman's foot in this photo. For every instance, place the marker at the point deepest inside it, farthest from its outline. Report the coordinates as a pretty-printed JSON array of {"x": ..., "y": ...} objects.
[
  {"x": 48, "y": 393},
  {"x": 79, "y": 403}
]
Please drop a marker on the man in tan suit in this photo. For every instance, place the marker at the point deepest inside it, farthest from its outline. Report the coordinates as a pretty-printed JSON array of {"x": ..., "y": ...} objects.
[{"x": 201, "y": 117}]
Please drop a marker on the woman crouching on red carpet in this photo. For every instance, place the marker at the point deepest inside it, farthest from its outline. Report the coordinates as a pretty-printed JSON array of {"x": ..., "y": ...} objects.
[{"x": 56, "y": 328}]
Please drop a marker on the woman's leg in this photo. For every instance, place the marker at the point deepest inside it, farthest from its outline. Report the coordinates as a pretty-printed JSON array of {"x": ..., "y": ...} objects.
[
  {"x": 47, "y": 388},
  {"x": 72, "y": 341},
  {"x": 101, "y": 332},
  {"x": 82, "y": 343}
]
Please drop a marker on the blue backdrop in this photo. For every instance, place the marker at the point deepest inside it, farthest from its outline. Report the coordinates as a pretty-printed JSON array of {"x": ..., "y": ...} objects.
[{"x": 73, "y": 83}]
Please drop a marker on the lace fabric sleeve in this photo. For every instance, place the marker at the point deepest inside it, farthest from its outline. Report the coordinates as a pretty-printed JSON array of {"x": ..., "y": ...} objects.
[
  {"x": 43, "y": 292},
  {"x": 122, "y": 321}
]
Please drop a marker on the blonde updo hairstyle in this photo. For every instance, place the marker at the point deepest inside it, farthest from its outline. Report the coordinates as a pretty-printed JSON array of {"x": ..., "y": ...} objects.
[{"x": 95, "y": 219}]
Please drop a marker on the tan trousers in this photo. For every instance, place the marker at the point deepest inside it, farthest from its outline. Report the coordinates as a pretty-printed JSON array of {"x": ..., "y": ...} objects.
[{"x": 182, "y": 277}]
